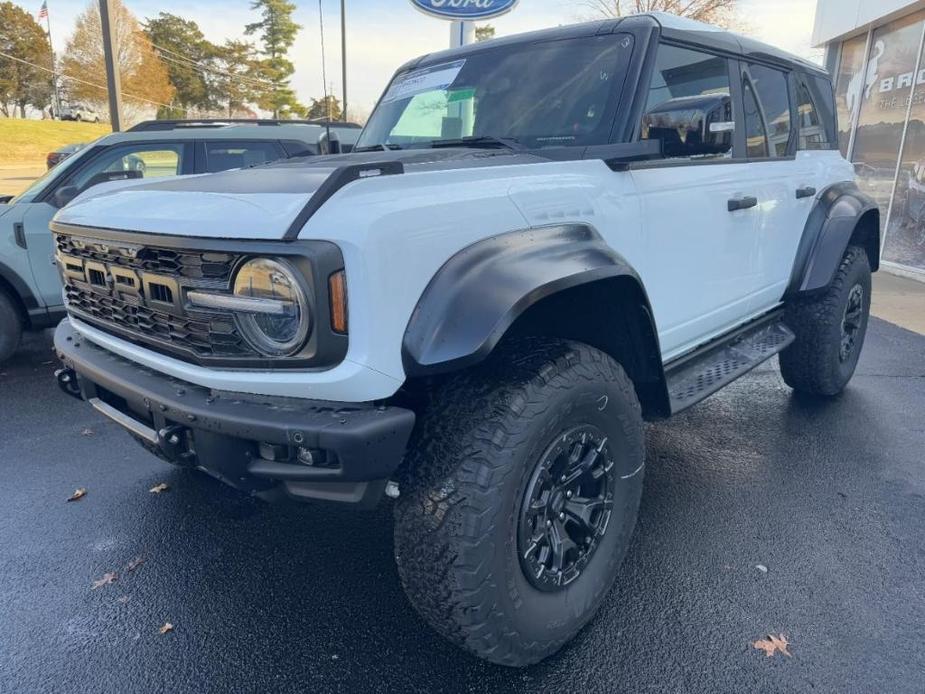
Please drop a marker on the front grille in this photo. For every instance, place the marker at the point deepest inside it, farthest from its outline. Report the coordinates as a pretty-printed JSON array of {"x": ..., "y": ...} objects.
[
  {"x": 164, "y": 261},
  {"x": 136, "y": 291}
]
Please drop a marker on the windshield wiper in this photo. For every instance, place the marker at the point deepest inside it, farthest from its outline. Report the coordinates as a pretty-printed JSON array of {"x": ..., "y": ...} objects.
[
  {"x": 380, "y": 147},
  {"x": 480, "y": 142}
]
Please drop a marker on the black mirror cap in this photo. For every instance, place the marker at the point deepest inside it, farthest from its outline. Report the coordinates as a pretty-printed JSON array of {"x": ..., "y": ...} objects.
[
  {"x": 329, "y": 142},
  {"x": 4, "y": 199},
  {"x": 64, "y": 195}
]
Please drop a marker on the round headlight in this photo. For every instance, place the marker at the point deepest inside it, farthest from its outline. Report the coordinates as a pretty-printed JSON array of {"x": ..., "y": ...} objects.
[{"x": 278, "y": 320}]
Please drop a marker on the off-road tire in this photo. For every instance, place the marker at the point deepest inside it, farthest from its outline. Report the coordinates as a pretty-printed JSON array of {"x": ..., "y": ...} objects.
[
  {"x": 462, "y": 485},
  {"x": 10, "y": 327},
  {"x": 813, "y": 364}
]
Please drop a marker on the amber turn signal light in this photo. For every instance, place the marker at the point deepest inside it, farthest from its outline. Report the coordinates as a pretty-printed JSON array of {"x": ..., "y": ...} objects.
[{"x": 337, "y": 291}]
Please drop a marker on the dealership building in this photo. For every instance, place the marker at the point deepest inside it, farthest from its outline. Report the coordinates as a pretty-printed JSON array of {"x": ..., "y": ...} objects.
[{"x": 874, "y": 48}]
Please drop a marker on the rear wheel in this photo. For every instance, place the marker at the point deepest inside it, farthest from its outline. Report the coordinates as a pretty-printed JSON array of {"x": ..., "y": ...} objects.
[
  {"x": 519, "y": 497},
  {"x": 10, "y": 327},
  {"x": 830, "y": 327}
]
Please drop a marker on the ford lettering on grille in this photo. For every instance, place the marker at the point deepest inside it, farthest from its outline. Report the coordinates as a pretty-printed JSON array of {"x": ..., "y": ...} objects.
[{"x": 138, "y": 292}]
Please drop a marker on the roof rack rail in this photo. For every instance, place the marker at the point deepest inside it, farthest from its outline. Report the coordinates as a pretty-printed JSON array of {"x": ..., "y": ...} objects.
[{"x": 152, "y": 125}]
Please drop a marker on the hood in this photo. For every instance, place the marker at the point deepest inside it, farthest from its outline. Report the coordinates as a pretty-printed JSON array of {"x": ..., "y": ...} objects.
[{"x": 256, "y": 203}]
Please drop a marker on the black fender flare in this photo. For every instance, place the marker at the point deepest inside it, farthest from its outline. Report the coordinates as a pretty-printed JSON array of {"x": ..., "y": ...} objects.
[
  {"x": 478, "y": 293},
  {"x": 17, "y": 285},
  {"x": 832, "y": 222}
]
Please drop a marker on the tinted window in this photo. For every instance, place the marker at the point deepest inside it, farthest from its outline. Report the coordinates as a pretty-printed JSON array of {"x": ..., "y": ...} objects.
[
  {"x": 150, "y": 160},
  {"x": 756, "y": 137},
  {"x": 687, "y": 88},
  {"x": 773, "y": 94},
  {"x": 224, "y": 155},
  {"x": 543, "y": 94},
  {"x": 815, "y": 113}
]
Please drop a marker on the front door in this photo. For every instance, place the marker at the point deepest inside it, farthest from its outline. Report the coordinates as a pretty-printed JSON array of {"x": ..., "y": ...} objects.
[
  {"x": 700, "y": 220},
  {"x": 151, "y": 160}
]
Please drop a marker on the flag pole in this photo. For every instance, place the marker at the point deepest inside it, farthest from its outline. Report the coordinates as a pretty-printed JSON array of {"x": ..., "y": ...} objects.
[{"x": 55, "y": 99}]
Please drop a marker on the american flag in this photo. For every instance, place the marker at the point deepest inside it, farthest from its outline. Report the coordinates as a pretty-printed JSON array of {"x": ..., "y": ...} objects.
[{"x": 43, "y": 12}]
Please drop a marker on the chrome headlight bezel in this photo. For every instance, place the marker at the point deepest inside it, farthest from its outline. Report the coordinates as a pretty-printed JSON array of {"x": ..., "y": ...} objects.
[{"x": 287, "y": 299}]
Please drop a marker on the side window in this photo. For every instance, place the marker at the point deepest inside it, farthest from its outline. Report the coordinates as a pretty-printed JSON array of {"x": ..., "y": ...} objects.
[
  {"x": 222, "y": 155},
  {"x": 816, "y": 113},
  {"x": 756, "y": 137},
  {"x": 153, "y": 160},
  {"x": 688, "y": 107},
  {"x": 772, "y": 90}
]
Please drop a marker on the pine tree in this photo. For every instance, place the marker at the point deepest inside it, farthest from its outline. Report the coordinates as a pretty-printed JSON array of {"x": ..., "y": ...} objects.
[{"x": 277, "y": 32}]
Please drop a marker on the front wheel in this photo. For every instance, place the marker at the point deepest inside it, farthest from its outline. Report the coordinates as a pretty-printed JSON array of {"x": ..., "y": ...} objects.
[
  {"x": 10, "y": 327},
  {"x": 830, "y": 327},
  {"x": 518, "y": 498}
]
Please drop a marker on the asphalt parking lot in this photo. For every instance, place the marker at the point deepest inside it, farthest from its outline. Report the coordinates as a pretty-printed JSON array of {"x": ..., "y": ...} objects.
[{"x": 828, "y": 497}]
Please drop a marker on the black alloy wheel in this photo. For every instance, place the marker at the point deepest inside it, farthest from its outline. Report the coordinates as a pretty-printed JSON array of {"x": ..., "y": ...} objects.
[{"x": 566, "y": 508}]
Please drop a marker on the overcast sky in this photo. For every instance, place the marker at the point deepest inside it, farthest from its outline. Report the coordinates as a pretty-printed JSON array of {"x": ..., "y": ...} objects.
[{"x": 382, "y": 34}]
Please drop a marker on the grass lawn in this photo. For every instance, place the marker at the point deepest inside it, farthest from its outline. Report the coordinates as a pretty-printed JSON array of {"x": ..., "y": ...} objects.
[{"x": 28, "y": 141}]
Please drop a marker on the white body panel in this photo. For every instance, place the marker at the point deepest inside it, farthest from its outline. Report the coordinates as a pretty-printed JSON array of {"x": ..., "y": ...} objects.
[{"x": 702, "y": 266}]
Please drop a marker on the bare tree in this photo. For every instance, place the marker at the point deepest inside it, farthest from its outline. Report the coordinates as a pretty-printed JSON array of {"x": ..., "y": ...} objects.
[{"x": 720, "y": 12}]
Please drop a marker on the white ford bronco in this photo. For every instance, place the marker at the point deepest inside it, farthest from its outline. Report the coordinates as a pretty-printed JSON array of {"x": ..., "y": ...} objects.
[{"x": 539, "y": 243}]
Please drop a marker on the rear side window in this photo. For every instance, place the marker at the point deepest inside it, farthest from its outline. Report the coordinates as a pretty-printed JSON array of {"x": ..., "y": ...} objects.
[
  {"x": 771, "y": 97},
  {"x": 224, "y": 155},
  {"x": 688, "y": 107},
  {"x": 816, "y": 113},
  {"x": 756, "y": 136}
]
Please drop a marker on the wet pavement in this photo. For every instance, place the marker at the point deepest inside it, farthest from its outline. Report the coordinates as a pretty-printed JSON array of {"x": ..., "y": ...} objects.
[{"x": 829, "y": 497}]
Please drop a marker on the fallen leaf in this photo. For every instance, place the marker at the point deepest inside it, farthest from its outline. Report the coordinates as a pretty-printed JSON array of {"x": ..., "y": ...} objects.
[
  {"x": 87, "y": 432},
  {"x": 762, "y": 568},
  {"x": 78, "y": 494},
  {"x": 122, "y": 599},
  {"x": 104, "y": 581},
  {"x": 135, "y": 563},
  {"x": 772, "y": 645},
  {"x": 158, "y": 488},
  {"x": 167, "y": 627}
]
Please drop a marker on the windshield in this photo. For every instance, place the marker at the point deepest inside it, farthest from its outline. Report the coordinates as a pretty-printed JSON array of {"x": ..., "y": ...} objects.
[{"x": 540, "y": 94}]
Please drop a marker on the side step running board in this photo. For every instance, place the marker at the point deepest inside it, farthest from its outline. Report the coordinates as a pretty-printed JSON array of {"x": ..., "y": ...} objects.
[{"x": 703, "y": 372}]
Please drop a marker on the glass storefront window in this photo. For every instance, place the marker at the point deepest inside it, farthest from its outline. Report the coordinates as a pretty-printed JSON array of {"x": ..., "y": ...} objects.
[
  {"x": 905, "y": 236},
  {"x": 848, "y": 84},
  {"x": 884, "y": 95}
]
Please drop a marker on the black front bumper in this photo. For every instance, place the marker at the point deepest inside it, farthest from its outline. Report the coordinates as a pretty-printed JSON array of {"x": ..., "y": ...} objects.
[{"x": 268, "y": 446}]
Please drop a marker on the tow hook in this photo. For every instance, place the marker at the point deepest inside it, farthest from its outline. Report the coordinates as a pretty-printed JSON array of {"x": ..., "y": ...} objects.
[
  {"x": 173, "y": 443},
  {"x": 67, "y": 381}
]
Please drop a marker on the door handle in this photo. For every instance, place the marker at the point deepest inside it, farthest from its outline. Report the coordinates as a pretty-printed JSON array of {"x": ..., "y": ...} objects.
[
  {"x": 806, "y": 192},
  {"x": 742, "y": 203},
  {"x": 19, "y": 233}
]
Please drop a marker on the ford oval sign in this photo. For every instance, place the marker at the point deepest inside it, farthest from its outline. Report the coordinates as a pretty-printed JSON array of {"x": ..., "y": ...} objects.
[{"x": 465, "y": 10}]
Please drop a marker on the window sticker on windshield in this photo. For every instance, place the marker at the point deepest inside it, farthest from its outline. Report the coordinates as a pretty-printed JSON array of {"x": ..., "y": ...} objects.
[{"x": 427, "y": 79}]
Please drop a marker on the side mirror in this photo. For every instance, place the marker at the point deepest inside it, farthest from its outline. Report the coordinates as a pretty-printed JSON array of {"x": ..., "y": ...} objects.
[
  {"x": 64, "y": 195},
  {"x": 329, "y": 143},
  {"x": 6, "y": 198},
  {"x": 690, "y": 126}
]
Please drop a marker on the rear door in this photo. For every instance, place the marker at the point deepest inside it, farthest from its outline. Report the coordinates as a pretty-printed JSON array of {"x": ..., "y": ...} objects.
[
  {"x": 701, "y": 254},
  {"x": 784, "y": 183}
]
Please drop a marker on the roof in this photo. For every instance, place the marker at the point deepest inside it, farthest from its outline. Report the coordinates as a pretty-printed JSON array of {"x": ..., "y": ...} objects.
[
  {"x": 672, "y": 27},
  {"x": 303, "y": 132}
]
